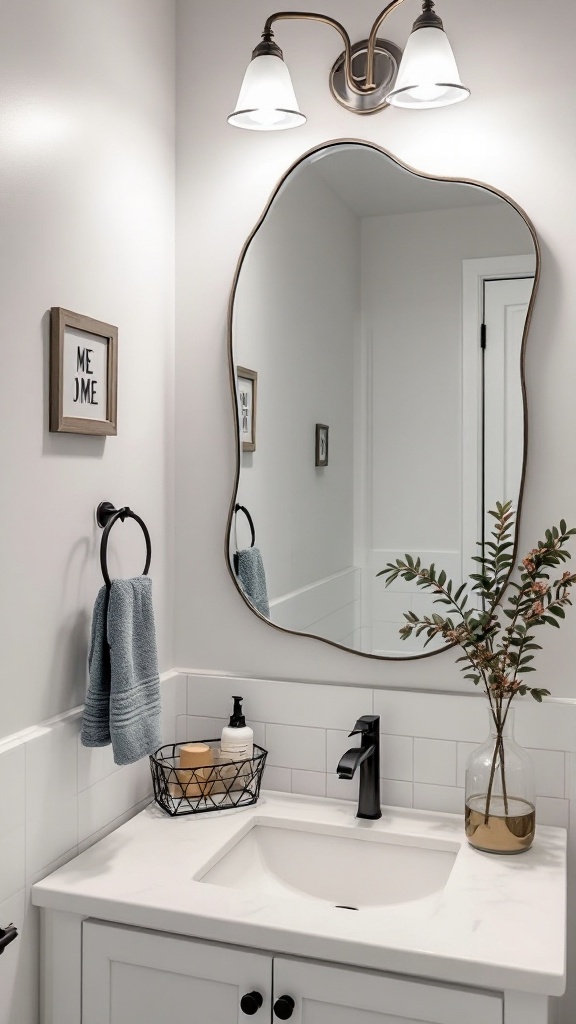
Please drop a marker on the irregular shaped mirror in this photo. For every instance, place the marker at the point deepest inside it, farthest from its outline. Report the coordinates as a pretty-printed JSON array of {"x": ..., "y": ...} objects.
[{"x": 376, "y": 414}]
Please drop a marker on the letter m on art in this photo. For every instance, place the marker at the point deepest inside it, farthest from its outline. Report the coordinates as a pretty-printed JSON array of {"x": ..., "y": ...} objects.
[{"x": 81, "y": 359}]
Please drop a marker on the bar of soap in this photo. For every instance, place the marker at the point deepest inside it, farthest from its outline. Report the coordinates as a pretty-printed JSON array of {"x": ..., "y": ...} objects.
[{"x": 194, "y": 755}]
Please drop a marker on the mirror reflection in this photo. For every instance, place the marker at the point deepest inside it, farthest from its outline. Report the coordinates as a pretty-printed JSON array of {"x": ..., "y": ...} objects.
[{"x": 372, "y": 421}]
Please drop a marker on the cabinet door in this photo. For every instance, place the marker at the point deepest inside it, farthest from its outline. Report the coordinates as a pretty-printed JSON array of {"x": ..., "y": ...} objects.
[
  {"x": 139, "y": 977},
  {"x": 340, "y": 995}
]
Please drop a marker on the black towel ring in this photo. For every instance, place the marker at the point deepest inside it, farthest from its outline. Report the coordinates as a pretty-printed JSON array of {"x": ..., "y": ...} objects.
[
  {"x": 106, "y": 516},
  {"x": 242, "y": 508}
]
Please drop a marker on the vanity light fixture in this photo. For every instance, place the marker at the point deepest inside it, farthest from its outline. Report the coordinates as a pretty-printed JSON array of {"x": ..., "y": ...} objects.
[{"x": 369, "y": 76}]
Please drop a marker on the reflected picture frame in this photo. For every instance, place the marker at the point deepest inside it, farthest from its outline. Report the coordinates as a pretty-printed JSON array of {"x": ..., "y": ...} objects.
[
  {"x": 247, "y": 388},
  {"x": 321, "y": 446}
]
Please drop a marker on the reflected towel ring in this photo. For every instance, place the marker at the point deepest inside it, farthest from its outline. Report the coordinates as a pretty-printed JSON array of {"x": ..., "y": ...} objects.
[
  {"x": 242, "y": 508},
  {"x": 106, "y": 516}
]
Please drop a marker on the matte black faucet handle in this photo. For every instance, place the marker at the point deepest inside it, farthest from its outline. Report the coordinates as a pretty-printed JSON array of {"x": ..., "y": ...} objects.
[{"x": 366, "y": 724}]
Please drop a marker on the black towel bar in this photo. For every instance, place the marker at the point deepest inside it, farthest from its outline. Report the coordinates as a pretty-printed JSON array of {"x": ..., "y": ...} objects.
[
  {"x": 106, "y": 516},
  {"x": 7, "y": 935}
]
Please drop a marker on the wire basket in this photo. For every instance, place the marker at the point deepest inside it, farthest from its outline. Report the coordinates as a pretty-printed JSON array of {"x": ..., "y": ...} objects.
[{"x": 211, "y": 787}]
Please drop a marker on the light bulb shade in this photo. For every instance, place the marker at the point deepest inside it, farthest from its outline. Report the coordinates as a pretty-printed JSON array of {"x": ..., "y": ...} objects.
[
  {"x": 267, "y": 101},
  {"x": 428, "y": 75}
]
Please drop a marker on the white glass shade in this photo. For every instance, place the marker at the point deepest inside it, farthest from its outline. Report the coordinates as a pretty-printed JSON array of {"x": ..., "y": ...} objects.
[
  {"x": 267, "y": 101},
  {"x": 428, "y": 75}
]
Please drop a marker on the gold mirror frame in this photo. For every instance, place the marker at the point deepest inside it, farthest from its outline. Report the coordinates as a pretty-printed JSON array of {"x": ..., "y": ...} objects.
[{"x": 232, "y": 371}]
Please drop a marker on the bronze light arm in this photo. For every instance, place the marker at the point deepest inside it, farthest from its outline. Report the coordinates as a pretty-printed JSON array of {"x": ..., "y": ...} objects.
[{"x": 353, "y": 84}]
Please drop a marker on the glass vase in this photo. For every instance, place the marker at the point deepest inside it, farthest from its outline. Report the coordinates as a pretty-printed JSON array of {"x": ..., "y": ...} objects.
[{"x": 500, "y": 792}]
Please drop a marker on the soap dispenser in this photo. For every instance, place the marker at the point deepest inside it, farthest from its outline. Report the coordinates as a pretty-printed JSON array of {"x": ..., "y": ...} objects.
[{"x": 237, "y": 737}]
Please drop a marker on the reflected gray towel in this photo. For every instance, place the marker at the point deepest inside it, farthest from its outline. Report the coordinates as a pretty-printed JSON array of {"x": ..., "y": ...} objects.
[
  {"x": 123, "y": 702},
  {"x": 252, "y": 579}
]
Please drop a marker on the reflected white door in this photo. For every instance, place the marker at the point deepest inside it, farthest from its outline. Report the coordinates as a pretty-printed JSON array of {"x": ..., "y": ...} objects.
[{"x": 505, "y": 309}]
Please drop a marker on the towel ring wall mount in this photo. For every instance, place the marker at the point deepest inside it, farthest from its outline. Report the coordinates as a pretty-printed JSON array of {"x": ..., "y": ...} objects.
[{"x": 106, "y": 516}]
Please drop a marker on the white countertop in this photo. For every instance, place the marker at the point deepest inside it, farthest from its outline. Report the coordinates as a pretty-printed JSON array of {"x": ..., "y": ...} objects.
[{"x": 499, "y": 923}]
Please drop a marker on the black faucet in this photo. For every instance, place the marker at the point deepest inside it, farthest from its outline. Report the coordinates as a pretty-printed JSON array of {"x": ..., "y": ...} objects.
[{"x": 368, "y": 757}]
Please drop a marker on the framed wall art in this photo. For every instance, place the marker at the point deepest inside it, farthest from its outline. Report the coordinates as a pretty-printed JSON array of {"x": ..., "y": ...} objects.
[
  {"x": 247, "y": 388},
  {"x": 321, "y": 444},
  {"x": 83, "y": 374}
]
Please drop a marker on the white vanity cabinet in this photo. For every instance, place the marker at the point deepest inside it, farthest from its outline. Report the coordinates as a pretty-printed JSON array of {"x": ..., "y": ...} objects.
[{"x": 131, "y": 976}]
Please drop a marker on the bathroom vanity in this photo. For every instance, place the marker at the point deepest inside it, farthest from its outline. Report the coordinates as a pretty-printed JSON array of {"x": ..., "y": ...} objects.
[{"x": 294, "y": 909}]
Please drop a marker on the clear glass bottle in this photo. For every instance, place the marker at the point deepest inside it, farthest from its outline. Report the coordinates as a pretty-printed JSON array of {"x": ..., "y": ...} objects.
[{"x": 500, "y": 793}]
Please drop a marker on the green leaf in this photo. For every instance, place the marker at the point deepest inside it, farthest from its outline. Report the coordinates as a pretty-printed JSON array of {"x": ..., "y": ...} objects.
[
  {"x": 442, "y": 579},
  {"x": 558, "y": 610}
]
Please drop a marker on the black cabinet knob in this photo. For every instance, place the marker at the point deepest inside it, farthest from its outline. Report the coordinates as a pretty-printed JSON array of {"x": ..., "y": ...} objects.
[
  {"x": 284, "y": 1007},
  {"x": 251, "y": 1003}
]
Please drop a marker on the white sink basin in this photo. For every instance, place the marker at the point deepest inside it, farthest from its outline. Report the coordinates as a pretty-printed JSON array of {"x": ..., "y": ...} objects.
[{"x": 366, "y": 869}]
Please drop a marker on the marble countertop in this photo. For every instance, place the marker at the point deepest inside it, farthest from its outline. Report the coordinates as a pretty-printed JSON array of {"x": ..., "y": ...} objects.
[{"x": 499, "y": 923}]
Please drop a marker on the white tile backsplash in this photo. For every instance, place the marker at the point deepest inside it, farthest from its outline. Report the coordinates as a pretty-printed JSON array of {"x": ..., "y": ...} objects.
[
  {"x": 283, "y": 703},
  {"x": 309, "y": 783},
  {"x": 57, "y": 798},
  {"x": 439, "y": 798},
  {"x": 435, "y": 762},
  {"x": 397, "y": 757},
  {"x": 296, "y": 747},
  {"x": 51, "y": 795}
]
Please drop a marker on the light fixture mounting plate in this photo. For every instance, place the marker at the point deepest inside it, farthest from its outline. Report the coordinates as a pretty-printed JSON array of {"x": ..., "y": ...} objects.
[{"x": 387, "y": 59}]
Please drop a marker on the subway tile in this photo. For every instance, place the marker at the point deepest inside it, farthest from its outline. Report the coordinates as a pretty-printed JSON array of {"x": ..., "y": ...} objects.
[
  {"x": 550, "y": 811},
  {"x": 439, "y": 798},
  {"x": 337, "y": 743},
  {"x": 550, "y": 772},
  {"x": 462, "y": 755},
  {"x": 279, "y": 779},
  {"x": 192, "y": 727},
  {"x": 12, "y": 822},
  {"x": 94, "y": 764},
  {"x": 341, "y": 789},
  {"x": 395, "y": 793},
  {"x": 435, "y": 762},
  {"x": 111, "y": 797},
  {"x": 396, "y": 757},
  {"x": 112, "y": 826},
  {"x": 282, "y": 703},
  {"x": 51, "y": 795},
  {"x": 432, "y": 715},
  {"x": 308, "y": 783},
  {"x": 296, "y": 747},
  {"x": 173, "y": 691}
]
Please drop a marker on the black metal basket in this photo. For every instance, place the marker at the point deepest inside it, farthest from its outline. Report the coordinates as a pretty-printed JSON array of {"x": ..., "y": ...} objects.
[{"x": 212, "y": 787}]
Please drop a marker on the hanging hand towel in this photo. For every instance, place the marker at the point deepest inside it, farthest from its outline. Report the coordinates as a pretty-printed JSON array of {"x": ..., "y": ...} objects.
[
  {"x": 252, "y": 578},
  {"x": 123, "y": 703}
]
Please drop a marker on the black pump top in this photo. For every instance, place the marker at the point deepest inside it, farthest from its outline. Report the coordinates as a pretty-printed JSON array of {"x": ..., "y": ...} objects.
[{"x": 237, "y": 719}]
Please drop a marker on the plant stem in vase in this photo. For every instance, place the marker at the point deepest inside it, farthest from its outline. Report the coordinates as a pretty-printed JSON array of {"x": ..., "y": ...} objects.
[
  {"x": 500, "y": 792},
  {"x": 497, "y": 654}
]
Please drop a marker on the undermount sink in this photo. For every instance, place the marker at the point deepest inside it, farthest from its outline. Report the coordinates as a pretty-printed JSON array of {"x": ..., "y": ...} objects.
[{"x": 367, "y": 869}]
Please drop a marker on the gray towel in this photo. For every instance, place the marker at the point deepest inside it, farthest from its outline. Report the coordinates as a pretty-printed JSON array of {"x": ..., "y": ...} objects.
[
  {"x": 123, "y": 703},
  {"x": 252, "y": 579}
]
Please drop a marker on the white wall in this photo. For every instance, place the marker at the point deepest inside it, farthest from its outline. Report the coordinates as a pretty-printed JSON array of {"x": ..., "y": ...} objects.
[
  {"x": 87, "y": 222},
  {"x": 509, "y": 134},
  {"x": 296, "y": 317}
]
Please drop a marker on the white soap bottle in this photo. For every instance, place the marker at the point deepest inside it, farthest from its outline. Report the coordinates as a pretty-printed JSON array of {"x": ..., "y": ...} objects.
[{"x": 237, "y": 738}]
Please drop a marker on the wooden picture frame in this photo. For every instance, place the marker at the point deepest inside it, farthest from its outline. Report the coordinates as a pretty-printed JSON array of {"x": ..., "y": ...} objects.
[
  {"x": 247, "y": 381},
  {"x": 321, "y": 448},
  {"x": 83, "y": 374}
]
